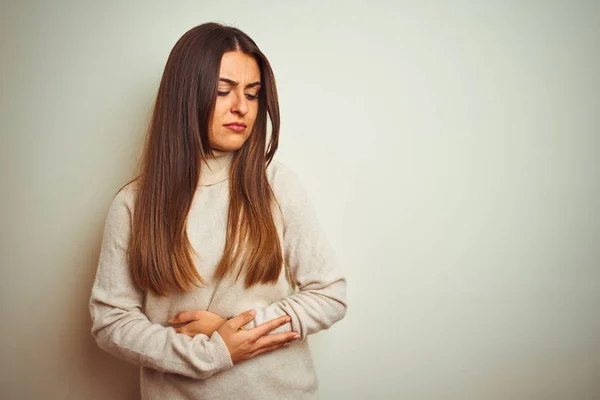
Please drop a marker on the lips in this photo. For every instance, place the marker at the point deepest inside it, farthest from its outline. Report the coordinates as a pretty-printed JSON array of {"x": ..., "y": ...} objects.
[{"x": 236, "y": 126}]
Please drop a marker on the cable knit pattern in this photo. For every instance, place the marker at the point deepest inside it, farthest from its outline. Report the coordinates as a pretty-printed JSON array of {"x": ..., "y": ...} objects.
[{"x": 132, "y": 324}]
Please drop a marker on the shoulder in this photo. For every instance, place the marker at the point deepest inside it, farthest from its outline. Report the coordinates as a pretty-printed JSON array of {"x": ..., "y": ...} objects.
[
  {"x": 288, "y": 189},
  {"x": 283, "y": 180},
  {"x": 125, "y": 197},
  {"x": 122, "y": 205}
]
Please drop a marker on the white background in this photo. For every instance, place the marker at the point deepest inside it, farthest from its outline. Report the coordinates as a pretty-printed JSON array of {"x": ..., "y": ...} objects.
[{"x": 450, "y": 149}]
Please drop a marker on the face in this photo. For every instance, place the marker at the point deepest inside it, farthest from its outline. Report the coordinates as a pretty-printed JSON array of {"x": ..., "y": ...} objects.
[{"x": 237, "y": 101}]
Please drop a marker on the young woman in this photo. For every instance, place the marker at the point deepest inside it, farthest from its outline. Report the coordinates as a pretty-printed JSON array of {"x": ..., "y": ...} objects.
[{"x": 213, "y": 268}]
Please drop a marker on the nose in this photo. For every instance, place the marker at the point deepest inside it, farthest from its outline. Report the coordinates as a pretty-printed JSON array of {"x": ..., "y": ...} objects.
[{"x": 240, "y": 105}]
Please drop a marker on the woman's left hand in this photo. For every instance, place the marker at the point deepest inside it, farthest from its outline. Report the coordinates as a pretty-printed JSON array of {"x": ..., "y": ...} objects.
[{"x": 197, "y": 321}]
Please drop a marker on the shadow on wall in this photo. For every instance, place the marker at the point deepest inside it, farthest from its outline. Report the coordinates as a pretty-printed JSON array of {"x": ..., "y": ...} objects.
[{"x": 98, "y": 374}]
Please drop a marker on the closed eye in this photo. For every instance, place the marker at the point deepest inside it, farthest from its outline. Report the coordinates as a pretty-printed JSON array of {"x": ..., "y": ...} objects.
[{"x": 248, "y": 95}]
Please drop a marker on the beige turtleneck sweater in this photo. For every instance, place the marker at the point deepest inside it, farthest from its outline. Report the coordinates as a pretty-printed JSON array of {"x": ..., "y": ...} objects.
[{"x": 132, "y": 324}]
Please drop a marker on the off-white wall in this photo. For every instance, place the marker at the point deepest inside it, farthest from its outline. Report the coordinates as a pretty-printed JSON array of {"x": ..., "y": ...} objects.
[{"x": 450, "y": 148}]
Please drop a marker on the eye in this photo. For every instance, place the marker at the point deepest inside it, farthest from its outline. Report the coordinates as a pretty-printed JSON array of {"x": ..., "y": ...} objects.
[
  {"x": 251, "y": 96},
  {"x": 223, "y": 93}
]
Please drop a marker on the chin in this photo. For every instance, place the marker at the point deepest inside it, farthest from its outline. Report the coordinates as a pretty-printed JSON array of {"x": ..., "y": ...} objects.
[
  {"x": 231, "y": 143},
  {"x": 226, "y": 149}
]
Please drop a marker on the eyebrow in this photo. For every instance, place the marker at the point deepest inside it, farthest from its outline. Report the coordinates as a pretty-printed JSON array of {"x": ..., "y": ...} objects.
[{"x": 234, "y": 83}]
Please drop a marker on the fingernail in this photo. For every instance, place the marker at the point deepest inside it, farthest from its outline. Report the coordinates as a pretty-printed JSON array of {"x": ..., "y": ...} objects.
[
  {"x": 286, "y": 344},
  {"x": 288, "y": 319},
  {"x": 252, "y": 312},
  {"x": 170, "y": 321},
  {"x": 295, "y": 337}
]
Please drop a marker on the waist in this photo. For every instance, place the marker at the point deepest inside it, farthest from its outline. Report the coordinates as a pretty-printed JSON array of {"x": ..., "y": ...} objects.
[{"x": 286, "y": 373}]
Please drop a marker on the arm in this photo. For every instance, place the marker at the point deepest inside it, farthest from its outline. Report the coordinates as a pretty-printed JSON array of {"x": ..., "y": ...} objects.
[
  {"x": 120, "y": 327},
  {"x": 321, "y": 297}
]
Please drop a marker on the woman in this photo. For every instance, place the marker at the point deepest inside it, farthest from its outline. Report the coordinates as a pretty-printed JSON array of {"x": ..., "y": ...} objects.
[{"x": 213, "y": 268}]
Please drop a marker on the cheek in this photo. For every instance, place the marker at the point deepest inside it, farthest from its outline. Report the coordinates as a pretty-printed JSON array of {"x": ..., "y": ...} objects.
[
  {"x": 218, "y": 119},
  {"x": 221, "y": 109},
  {"x": 253, "y": 113}
]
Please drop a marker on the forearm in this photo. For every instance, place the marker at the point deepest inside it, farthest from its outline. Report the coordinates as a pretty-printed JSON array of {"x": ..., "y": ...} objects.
[
  {"x": 311, "y": 310},
  {"x": 129, "y": 335}
]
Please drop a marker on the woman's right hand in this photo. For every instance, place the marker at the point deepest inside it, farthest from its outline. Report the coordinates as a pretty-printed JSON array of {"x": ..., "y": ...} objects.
[{"x": 245, "y": 344}]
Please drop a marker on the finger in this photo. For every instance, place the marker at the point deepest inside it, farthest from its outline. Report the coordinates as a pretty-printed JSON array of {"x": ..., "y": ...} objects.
[
  {"x": 267, "y": 349},
  {"x": 184, "y": 317},
  {"x": 268, "y": 326},
  {"x": 184, "y": 331},
  {"x": 240, "y": 320},
  {"x": 276, "y": 338}
]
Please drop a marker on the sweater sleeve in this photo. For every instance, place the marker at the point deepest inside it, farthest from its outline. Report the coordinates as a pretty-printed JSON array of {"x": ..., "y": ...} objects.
[
  {"x": 320, "y": 300},
  {"x": 123, "y": 330}
]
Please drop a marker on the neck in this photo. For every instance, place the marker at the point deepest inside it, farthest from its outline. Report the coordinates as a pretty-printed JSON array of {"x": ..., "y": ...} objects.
[{"x": 215, "y": 170}]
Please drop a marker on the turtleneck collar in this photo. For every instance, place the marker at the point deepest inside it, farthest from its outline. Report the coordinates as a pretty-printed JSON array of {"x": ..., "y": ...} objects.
[{"x": 216, "y": 170}]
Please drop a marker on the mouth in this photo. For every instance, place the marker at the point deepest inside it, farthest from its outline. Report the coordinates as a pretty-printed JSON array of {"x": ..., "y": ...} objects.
[{"x": 236, "y": 126}]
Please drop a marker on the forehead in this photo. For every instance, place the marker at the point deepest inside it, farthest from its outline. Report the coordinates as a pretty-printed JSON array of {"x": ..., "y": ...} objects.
[{"x": 239, "y": 67}]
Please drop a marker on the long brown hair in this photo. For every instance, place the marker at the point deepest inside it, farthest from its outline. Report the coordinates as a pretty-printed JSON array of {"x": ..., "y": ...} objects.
[{"x": 177, "y": 143}]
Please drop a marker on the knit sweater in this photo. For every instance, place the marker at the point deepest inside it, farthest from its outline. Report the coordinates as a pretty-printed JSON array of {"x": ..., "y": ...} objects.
[{"x": 132, "y": 324}]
